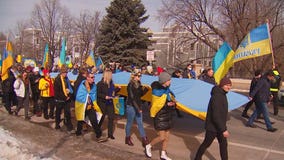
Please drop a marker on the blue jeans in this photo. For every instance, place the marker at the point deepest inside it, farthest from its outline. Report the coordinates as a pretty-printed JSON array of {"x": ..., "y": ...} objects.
[
  {"x": 131, "y": 115},
  {"x": 261, "y": 107}
]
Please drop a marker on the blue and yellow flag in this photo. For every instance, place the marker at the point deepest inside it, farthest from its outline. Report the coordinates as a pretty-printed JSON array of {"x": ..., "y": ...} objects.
[
  {"x": 45, "y": 57},
  {"x": 118, "y": 104},
  {"x": 62, "y": 57},
  {"x": 222, "y": 61},
  {"x": 99, "y": 62},
  {"x": 256, "y": 43},
  {"x": 7, "y": 60},
  {"x": 91, "y": 59}
]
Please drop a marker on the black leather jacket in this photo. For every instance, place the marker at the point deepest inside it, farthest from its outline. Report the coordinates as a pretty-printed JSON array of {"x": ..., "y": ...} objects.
[{"x": 135, "y": 92}]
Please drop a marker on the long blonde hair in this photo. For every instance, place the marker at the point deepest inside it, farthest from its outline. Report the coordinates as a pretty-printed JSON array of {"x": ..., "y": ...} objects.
[{"x": 107, "y": 77}]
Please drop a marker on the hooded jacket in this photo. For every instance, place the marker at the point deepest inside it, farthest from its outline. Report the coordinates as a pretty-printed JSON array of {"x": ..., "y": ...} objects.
[{"x": 217, "y": 111}]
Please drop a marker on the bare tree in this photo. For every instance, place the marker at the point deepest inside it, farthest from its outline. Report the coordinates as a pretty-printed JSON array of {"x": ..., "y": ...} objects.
[
  {"x": 227, "y": 20},
  {"x": 54, "y": 22},
  {"x": 19, "y": 32},
  {"x": 87, "y": 27}
]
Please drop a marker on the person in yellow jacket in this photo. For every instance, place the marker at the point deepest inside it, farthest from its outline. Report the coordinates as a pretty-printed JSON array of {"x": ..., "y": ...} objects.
[
  {"x": 274, "y": 89},
  {"x": 46, "y": 87}
]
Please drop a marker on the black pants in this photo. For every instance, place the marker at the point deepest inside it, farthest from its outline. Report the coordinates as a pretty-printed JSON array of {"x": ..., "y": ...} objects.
[
  {"x": 67, "y": 114},
  {"x": 249, "y": 104},
  {"x": 209, "y": 137},
  {"x": 275, "y": 102},
  {"x": 10, "y": 99},
  {"x": 48, "y": 101},
  {"x": 7, "y": 98},
  {"x": 92, "y": 115},
  {"x": 109, "y": 111},
  {"x": 36, "y": 107}
]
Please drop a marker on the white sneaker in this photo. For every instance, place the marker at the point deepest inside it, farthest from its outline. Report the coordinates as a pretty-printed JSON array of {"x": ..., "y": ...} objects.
[
  {"x": 148, "y": 150},
  {"x": 164, "y": 156}
]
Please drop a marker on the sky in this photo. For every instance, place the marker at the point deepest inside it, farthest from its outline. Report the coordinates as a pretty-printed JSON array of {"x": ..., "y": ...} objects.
[{"x": 13, "y": 11}]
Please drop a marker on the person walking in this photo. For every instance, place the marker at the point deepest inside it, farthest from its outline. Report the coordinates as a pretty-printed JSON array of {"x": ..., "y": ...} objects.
[
  {"x": 62, "y": 96},
  {"x": 22, "y": 89},
  {"x": 216, "y": 118},
  {"x": 257, "y": 76},
  {"x": 106, "y": 92},
  {"x": 262, "y": 95},
  {"x": 274, "y": 89},
  {"x": 46, "y": 88},
  {"x": 34, "y": 79},
  {"x": 163, "y": 104},
  {"x": 134, "y": 108},
  {"x": 9, "y": 95},
  {"x": 86, "y": 106}
]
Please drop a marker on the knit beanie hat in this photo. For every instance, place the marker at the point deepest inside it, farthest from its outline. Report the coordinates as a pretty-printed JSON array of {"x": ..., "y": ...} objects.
[
  {"x": 225, "y": 81},
  {"x": 164, "y": 77}
]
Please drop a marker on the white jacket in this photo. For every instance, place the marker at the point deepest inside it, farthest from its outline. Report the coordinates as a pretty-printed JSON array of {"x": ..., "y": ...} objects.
[{"x": 19, "y": 88}]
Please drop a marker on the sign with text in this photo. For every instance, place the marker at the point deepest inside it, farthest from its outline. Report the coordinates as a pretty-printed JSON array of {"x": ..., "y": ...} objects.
[{"x": 150, "y": 56}]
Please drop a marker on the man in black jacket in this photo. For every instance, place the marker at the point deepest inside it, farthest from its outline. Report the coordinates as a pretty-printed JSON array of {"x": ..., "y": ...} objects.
[
  {"x": 216, "y": 118},
  {"x": 262, "y": 96},
  {"x": 62, "y": 96},
  {"x": 257, "y": 76}
]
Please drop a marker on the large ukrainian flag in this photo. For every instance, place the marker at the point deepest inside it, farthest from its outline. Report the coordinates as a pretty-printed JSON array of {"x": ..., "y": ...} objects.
[
  {"x": 256, "y": 43},
  {"x": 222, "y": 61}
]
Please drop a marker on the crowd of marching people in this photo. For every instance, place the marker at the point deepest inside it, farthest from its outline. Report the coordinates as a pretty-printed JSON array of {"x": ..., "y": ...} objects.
[{"x": 39, "y": 94}]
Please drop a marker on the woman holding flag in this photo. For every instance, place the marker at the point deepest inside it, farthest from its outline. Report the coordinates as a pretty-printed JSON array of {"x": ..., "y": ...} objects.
[{"x": 106, "y": 92}]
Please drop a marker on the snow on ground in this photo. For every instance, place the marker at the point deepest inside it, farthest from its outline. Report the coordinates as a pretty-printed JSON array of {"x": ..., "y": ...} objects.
[{"x": 11, "y": 148}]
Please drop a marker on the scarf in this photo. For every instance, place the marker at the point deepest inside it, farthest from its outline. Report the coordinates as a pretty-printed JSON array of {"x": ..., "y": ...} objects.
[
  {"x": 159, "y": 99},
  {"x": 64, "y": 81},
  {"x": 50, "y": 86}
]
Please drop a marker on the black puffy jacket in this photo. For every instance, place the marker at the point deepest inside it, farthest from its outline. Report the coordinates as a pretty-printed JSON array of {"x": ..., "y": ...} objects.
[{"x": 163, "y": 119}]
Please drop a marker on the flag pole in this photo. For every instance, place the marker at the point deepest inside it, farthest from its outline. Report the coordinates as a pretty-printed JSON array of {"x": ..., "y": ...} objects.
[{"x": 270, "y": 39}]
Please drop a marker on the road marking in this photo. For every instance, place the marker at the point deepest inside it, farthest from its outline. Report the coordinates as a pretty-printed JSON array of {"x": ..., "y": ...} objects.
[{"x": 250, "y": 146}]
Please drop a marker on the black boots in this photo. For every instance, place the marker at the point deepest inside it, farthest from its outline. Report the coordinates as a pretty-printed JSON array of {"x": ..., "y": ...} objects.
[{"x": 128, "y": 141}]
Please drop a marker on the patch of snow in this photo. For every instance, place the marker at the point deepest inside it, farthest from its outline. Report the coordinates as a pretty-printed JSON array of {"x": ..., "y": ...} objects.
[{"x": 12, "y": 148}]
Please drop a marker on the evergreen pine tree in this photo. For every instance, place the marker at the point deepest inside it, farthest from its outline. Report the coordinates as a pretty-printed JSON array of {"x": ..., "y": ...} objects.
[{"x": 122, "y": 39}]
